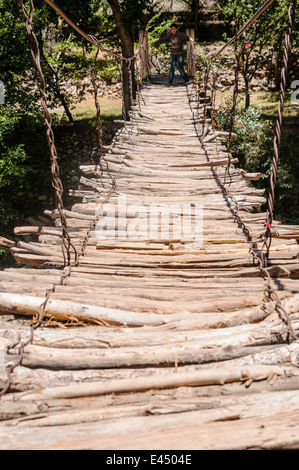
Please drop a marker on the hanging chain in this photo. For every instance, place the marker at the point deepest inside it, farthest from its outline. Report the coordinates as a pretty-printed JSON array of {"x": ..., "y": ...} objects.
[
  {"x": 96, "y": 91},
  {"x": 278, "y": 130},
  {"x": 207, "y": 70},
  {"x": 130, "y": 73},
  {"x": 213, "y": 99},
  {"x": 37, "y": 322},
  {"x": 99, "y": 131},
  {"x": 66, "y": 244},
  {"x": 258, "y": 257},
  {"x": 233, "y": 111}
]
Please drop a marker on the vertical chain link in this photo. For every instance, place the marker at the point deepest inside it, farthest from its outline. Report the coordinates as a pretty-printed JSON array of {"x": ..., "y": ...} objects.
[
  {"x": 278, "y": 130},
  {"x": 238, "y": 56},
  {"x": 67, "y": 246},
  {"x": 66, "y": 243}
]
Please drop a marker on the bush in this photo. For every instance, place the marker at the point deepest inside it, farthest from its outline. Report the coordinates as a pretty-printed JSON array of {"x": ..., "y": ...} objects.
[
  {"x": 12, "y": 163},
  {"x": 253, "y": 146}
]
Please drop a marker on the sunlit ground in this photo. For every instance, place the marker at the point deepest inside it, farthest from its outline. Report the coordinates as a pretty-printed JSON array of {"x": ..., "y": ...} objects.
[{"x": 85, "y": 112}]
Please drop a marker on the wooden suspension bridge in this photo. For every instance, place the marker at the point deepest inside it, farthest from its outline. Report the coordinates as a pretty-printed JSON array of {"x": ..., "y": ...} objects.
[{"x": 160, "y": 336}]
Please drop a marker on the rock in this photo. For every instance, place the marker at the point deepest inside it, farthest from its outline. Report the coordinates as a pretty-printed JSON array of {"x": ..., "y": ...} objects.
[
  {"x": 254, "y": 82},
  {"x": 227, "y": 81},
  {"x": 42, "y": 197}
]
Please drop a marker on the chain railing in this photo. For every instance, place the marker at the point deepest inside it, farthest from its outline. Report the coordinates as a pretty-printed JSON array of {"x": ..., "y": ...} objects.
[
  {"x": 260, "y": 258},
  {"x": 69, "y": 252},
  {"x": 278, "y": 131}
]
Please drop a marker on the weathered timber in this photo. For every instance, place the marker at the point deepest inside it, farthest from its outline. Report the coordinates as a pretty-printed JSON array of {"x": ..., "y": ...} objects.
[{"x": 180, "y": 333}]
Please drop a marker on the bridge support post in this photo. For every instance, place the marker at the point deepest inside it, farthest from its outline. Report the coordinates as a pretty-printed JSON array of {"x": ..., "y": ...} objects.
[
  {"x": 144, "y": 56},
  {"x": 190, "y": 55}
]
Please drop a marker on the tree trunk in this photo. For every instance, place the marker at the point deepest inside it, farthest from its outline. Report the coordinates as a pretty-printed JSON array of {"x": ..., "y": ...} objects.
[
  {"x": 277, "y": 71},
  {"x": 246, "y": 82},
  {"x": 127, "y": 47},
  {"x": 55, "y": 84},
  {"x": 196, "y": 8}
]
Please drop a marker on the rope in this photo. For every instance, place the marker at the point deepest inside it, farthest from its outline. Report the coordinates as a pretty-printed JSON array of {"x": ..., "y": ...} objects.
[
  {"x": 269, "y": 292},
  {"x": 66, "y": 243},
  {"x": 98, "y": 110},
  {"x": 233, "y": 110},
  {"x": 278, "y": 130},
  {"x": 92, "y": 39},
  {"x": 67, "y": 246},
  {"x": 260, "y": 259},
  {"x": 264, "y": 7}
]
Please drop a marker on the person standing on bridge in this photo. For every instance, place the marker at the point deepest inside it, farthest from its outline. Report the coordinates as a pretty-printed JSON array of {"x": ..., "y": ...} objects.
[{"x": 176, "y": 40}]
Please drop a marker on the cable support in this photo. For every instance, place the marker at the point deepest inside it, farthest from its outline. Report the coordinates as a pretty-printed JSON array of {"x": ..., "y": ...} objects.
[
  {"x": 278, "y": 131},
  {"x": 89, "y": 37},
  {"x": 264, "y": 7}
]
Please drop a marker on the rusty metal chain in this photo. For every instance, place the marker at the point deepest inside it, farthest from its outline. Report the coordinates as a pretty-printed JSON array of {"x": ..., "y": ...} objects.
[
  {"x": 21, "y": 345},
  {"x": 207, "y": 70},
  {"x": 278, "y": 130},
  {"x": 89, "y": 37},
  {"x": 99, "y": 130},
  {"x": 130, "y": 72},
  {"x": 238, "y": 56},
  {"x": 249, "y": 23},
  {"x": 67, "y": 246},
  {"x": 259, "y": 258},
  {"x": 269, "y": 292}
]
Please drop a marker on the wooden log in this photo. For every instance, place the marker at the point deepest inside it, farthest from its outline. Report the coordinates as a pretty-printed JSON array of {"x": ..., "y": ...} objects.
[
  {"x": 167, "y": 355},
  {"x": 27, "y": 305},
  {"x": 197, "y": 378},
  {"x": 36, "y": 249},
  {"x": 69, "y": 214},
  {"x": 197, "y": 347},
  {"x": 246, "y": 407},
  {"x": 190, "y": 430},
  {"x": 250, "y": 176},
  {"x": 25, "y": 379},
  {"x": 37, "y": 230},
  {"x": 6, "y": 244}
]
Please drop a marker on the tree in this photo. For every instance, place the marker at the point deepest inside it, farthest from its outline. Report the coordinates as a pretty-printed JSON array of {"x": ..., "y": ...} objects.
[
  {"x": 194, "y": 7},
  {"x": 128, "y": 15},
  {"x": 267, "y": 31}
]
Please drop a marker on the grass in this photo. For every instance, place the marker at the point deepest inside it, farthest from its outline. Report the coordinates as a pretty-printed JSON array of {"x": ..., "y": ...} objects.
[
  {"x": 269, "y": 104},
  {"x": 84, "y": 113},
  {"x": 268, "y": 101}
]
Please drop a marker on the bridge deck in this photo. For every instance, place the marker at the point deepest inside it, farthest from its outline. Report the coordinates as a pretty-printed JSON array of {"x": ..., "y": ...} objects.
[{"x": 169, "y": 345}]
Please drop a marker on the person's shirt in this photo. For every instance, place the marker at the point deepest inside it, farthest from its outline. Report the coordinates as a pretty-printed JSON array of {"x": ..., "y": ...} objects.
[{"x": 176, "y": 42}]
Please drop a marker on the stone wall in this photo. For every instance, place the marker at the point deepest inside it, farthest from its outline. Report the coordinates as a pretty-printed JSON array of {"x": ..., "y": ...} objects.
[
  {"x": 266, "y": 77},
  {"x": 74, "y": 148}
]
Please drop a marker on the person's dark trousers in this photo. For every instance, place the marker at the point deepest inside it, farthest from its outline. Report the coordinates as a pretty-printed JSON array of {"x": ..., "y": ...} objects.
[{"x": 177, "y": 60}]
